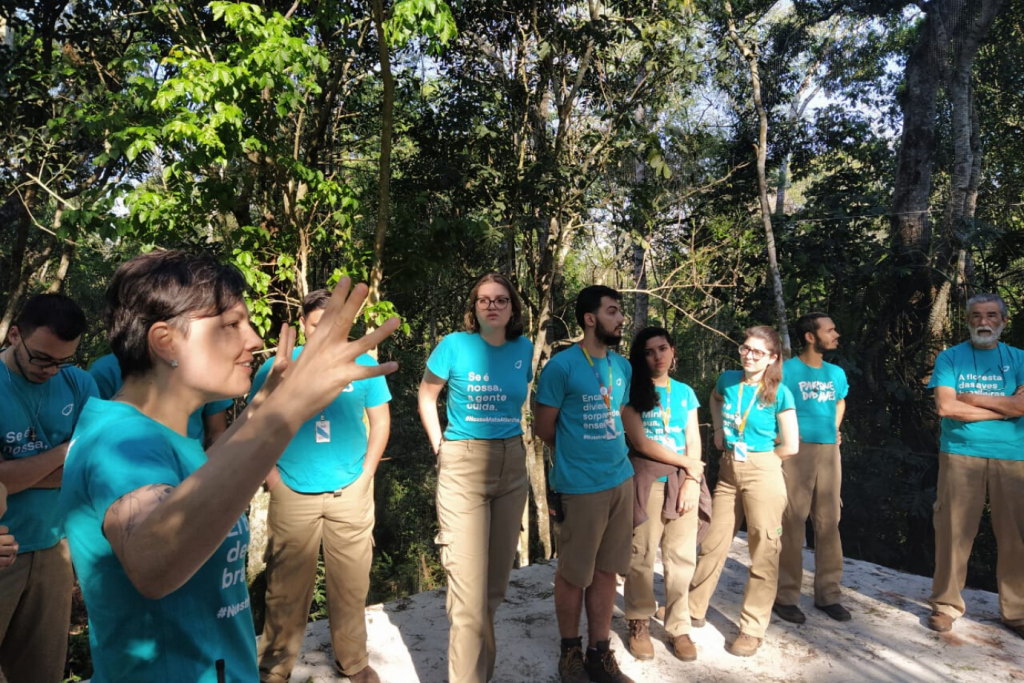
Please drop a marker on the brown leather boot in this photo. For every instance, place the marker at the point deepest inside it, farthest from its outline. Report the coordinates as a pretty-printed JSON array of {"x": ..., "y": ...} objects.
[
  {"x": 684, "y": 648},
  {"x": 640, "y": 645},
  {"x": 744, "y": 645}
]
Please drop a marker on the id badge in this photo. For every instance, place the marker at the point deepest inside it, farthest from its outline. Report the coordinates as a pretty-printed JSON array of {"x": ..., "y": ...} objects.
[
  {"x": 739, "y": 451},
  {"x": 323, "y": 431},
  {"x": 610, "y": 434}
]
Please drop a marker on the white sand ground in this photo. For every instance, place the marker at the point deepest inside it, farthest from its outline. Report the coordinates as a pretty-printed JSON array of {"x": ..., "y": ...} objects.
[{"x": 887, "y": 640}]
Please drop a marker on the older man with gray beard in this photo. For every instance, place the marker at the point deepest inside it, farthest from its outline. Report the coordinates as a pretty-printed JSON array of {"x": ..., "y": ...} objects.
[{"x": 979, "y": 393}]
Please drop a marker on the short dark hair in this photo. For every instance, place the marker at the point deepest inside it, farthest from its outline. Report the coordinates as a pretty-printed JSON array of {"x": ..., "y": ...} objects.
[
  {"x": 589, "y": 300},
  {"x": 314, "y": 301},
  {"x": 514, "y": 326},
  {"x": 55, "y": 311},
  {"x": 808, "y": 324},
  {"x": 164, "y": 286}
]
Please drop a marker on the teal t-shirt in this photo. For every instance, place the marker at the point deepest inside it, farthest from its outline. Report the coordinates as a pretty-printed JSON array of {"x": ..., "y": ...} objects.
[
  {"x": 107, "y": 373},
  {"x": 35, "y": 418},
  {"x": 990, "y": 372},
  {"x": 680, "y": 400},
  {"x": 816, "y": 391},
  {"x": 590, "y": 451},
  {"x": 762, "y": 427},
  {"x": 487, "y": 385},
  {"x": 180, "y": 637},
  {"x": 327, "y": 457}
]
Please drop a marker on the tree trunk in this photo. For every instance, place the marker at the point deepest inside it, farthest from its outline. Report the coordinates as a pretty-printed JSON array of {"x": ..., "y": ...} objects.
[
  {"x": 642, "y": 300},
  {"x": 762, "y": 180},
  {"x": 387, "y": 130}
]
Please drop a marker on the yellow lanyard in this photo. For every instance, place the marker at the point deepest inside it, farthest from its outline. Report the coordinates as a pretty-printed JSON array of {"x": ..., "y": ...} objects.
[
  {"x": 666, "y": 414},
  {"x": 741, "y": 426},
  {"x": 606, "y": 391}
]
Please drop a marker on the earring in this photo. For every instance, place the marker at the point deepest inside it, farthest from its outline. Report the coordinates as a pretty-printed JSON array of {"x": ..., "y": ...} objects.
[{"x": 174, "y": 363}]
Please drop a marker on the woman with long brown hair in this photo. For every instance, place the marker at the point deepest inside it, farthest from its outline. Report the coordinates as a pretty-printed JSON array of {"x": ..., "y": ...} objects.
[
  {"x": 755, "y": 424},
  {"x": 481, "y": 479}
]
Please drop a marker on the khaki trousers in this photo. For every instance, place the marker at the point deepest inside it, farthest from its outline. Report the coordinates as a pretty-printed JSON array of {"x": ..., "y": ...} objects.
[
  {"x": 35, "y": 614},
  {"x": 481, "y": 493},
  {"x": 813, "y": 479},
  {"x": 963, "y": 482},
  {"x": 754, "y": 489},
  {"x": 296, "y": 524},
  {"x": 678, "y": 541}
]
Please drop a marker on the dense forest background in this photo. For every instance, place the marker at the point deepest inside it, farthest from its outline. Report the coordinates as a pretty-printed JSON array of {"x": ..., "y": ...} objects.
[{"x": 724, "y": 163}]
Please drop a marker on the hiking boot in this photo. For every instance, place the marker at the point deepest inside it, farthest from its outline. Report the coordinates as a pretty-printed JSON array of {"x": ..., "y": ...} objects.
[
  {"x": 367, "y": 675},
  {"x": 684, "y": 649},
  {"x": 698, "y": 623},
  {"x": 790, "y": 613},
  {"x": 744, "y": 645},
  {"x": 1018, "y": 629},
  {"x": 602, "y": 667},
  {"x": 640, "y": 645},
  {"x": 941, "y": 622},
  {"x": 570, "y": 665},
  {"x": 835, "y": 611}
]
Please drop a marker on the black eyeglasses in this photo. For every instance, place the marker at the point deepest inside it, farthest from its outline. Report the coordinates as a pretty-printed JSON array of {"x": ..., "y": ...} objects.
[
  {"x": 45, "y": 362},
  {"x": 500, "y": 303},
  {"x": 756, "y": 354}
]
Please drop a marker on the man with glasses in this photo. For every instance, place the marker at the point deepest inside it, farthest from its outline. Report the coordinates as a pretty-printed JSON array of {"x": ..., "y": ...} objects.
[
  {"x": 814, "y": 475},
  {"x": 979, "y": 394},
  {"x": 41, "y": 397}
]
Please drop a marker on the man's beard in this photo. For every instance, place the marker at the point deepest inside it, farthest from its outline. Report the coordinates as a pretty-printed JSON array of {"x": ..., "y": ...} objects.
[
  {"x": 819, "y": 347},
  {"x": 608, "y": 338},
  {"x": 990, "y": 339}
]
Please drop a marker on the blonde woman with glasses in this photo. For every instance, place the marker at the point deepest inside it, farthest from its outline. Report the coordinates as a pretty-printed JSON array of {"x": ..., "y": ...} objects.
[
  {"x": 481, "y": 479},
  {"x": 755, "y": 424}
]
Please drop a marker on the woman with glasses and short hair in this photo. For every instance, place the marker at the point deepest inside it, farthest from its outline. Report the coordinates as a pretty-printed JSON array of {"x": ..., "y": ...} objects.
[
  {"x": 481, "y": 460},
  {"x": 755, "y": 424}
]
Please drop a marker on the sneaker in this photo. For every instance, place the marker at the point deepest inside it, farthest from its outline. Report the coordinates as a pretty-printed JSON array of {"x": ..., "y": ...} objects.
[
  {"x": 835, "y": 611},
  {"x": 570, "y": 665},
  {"x": 744, "y": 645},
  {"x": 367, "y": 675},
  {"x": 684, "y": 649},
  {"x": 640, "y": 645},
  {"x": 790, "y": 613},
  {"x": 941, "y": 622},
  {"x": 602, "y": 667}
]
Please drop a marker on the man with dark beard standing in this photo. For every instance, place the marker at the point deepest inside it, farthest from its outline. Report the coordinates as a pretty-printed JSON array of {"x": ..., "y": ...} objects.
[
  {"x": 979, "y": 394},
  {"x": 814, "y": 474},
  {"x": 579, "y": 396}
]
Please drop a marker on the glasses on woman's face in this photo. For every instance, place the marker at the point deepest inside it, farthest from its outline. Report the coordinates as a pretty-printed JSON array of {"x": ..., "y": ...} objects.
[
  {"x": 499, "y": 303},
  {"x": 756, "y": 354}
]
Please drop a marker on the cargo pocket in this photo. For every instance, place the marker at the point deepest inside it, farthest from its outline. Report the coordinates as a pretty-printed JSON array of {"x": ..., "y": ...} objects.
[
  {"x": 774, "y": 537},
  {"x": 444, "y": 541}
]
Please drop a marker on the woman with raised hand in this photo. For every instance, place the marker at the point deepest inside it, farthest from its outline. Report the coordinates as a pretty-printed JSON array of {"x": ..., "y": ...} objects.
[
  {"x": 661, "y": 424},
  {"x": 157, "y": 530},
  {"x": 481, "y": 480},
  {"x": 755, "y": 424}
]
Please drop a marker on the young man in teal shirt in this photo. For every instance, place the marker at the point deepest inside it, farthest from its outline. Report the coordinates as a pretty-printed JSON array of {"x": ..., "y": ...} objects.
[
  {"x": 579, "y": 397},
  {"x": 322, "y": 489},
  {"x": 814, "y": 475},
  {"x": 41, "y": 398},
  {"x": 979, "y": 394}
]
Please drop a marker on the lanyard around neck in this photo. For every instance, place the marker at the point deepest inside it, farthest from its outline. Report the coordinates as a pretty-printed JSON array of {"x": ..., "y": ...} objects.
[
  {"x": 741, "y": 426},
  {"x": 606, "y": 391},
  {"x": 666, "y": 410}
]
